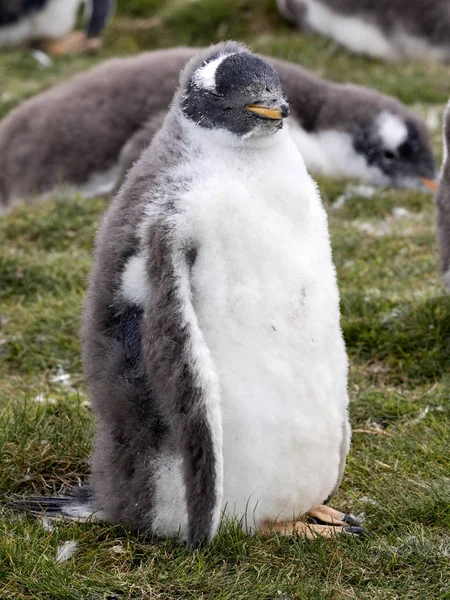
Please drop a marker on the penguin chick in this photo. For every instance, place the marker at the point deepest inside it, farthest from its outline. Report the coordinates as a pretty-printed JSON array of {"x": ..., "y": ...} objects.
[
  {"x": 86, "y": 133},
  {"x": 211, "y": 339},
  {"x": 443, "y": 205},
  {"x": 393, "y": 30},
  {"x": 50, "y": 22}
]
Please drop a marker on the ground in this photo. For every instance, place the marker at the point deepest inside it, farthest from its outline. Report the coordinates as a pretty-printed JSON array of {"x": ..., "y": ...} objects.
[{"x": 396, "y": 321}]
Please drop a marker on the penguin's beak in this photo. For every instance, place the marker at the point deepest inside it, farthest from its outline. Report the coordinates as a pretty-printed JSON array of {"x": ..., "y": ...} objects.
[
  {"x": 431, "y": 184},
  {"x": 278, "y": 113}
]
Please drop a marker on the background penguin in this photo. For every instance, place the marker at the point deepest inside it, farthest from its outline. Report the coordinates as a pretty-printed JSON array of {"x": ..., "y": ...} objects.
[
  {"x": 74, "y": 133},
  {"x": 393, "y": 30},
  {"x": 443, "y": 204},
  {"x": 49, "y": 22},
  {"x": 213, "y": 352}
]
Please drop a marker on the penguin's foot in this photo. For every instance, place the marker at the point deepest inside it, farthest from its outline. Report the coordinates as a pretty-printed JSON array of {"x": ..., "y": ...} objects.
[
  {"x": 309, "y": 530},
  {"x": 325, "y": 515},
  {"x": 322, "y": 521},
  {"x": 75, "y": 42}
]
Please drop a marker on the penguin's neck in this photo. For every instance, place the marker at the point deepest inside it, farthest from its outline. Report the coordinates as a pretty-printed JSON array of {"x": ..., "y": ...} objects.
[{"x": 221, "y": 138}]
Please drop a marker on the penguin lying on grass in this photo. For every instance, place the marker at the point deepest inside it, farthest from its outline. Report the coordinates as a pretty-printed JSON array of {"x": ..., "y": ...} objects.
[
  {"x": 49, "y": 23},
  {"x": 74, "y": 133},
  {"x": 211, "y": 339},
  {"x": 443, "y": 204},
  {"x": 393, "y": 30}
]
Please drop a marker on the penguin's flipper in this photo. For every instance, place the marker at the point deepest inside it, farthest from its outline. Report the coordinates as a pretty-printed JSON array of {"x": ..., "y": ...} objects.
[
  {"x": 76, "y": 505},
  {"x": 183, "y": 375}
]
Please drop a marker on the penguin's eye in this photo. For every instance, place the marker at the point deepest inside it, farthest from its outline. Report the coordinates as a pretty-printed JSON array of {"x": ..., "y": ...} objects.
[
  {"x": 216, "y": 94},
  {"x": 390, "y": 154}
]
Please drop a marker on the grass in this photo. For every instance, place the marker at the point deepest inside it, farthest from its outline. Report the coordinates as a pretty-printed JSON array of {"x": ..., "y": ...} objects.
[{"x": 396, "y": 321}]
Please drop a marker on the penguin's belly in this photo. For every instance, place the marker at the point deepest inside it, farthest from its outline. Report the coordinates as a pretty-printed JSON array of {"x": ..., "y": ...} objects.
[{"x": 265, "y": 295}]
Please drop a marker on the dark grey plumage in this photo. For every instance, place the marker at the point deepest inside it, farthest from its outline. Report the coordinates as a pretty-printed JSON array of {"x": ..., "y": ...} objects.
[
  {"x": 390, "y": 29},
  {"x": 81, "y": 127},
  {"x": 443, "y": 205}
]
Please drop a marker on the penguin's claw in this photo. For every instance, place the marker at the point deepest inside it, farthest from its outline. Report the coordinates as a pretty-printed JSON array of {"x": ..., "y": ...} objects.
[
  {"x": 354, "y": 531},
  {"x": 308, "y": 530},
  {"x": 329, "y": 516}
]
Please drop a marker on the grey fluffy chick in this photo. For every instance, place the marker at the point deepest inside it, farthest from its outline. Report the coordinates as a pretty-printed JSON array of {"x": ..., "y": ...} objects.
[
  {"x": 86, "y": 132},
  {"x": 394, "y": 30},
  {"x": 213, "y": 352}
]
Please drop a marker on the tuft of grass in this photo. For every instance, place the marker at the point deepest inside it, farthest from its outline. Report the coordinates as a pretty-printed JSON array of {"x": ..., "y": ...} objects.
[
  {"x": 45, "y": 443},
  {"x": 396, "y": 322}
]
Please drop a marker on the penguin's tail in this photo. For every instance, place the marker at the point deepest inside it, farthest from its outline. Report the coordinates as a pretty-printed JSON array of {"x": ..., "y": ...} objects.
[{"x": 76, "y": 505}]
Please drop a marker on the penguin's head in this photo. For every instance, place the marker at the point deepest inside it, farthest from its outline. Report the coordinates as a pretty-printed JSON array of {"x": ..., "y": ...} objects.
[
  {"x": 234, "y": 90},
  {"x": 398, "y": 148},
  {"x": 370, "y": 136}
]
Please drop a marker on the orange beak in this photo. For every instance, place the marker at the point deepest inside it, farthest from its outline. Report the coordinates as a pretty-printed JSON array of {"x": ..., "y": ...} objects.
[
  {"x": 430, "y": 183},
  {"x": 268, "y": 113}
]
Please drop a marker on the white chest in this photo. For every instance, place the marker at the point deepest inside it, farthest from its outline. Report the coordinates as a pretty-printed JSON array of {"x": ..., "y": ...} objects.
[{"x": 266, "y": 300}]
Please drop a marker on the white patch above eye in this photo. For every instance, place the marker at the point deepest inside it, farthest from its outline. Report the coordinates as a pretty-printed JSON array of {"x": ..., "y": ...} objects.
[
  {"x": 392, "y": 130},
  {"x": 205, "y": 76}
]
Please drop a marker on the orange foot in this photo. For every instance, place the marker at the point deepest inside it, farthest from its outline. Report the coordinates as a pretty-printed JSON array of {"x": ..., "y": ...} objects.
[
  {"x": 76, "y": 42},
  {"x": 322, "y": 521}
]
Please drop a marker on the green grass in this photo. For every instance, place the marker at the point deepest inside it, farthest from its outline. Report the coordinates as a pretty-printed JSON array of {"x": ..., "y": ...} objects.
[{"x": 396, "y": 321}]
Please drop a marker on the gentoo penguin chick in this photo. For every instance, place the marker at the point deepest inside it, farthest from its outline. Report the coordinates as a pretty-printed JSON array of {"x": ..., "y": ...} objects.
[
  {"x": 443, "y": 204},
  {"x": 211, "y": 338},
  {"x": 393, "y": 30},
  {"x": 50, "y": 23},
  {"x": 74, "y": 133}
]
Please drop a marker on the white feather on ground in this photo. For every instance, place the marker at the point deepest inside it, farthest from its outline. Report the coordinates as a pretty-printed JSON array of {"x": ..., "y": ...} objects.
[{"x": 66, "y": 550}]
